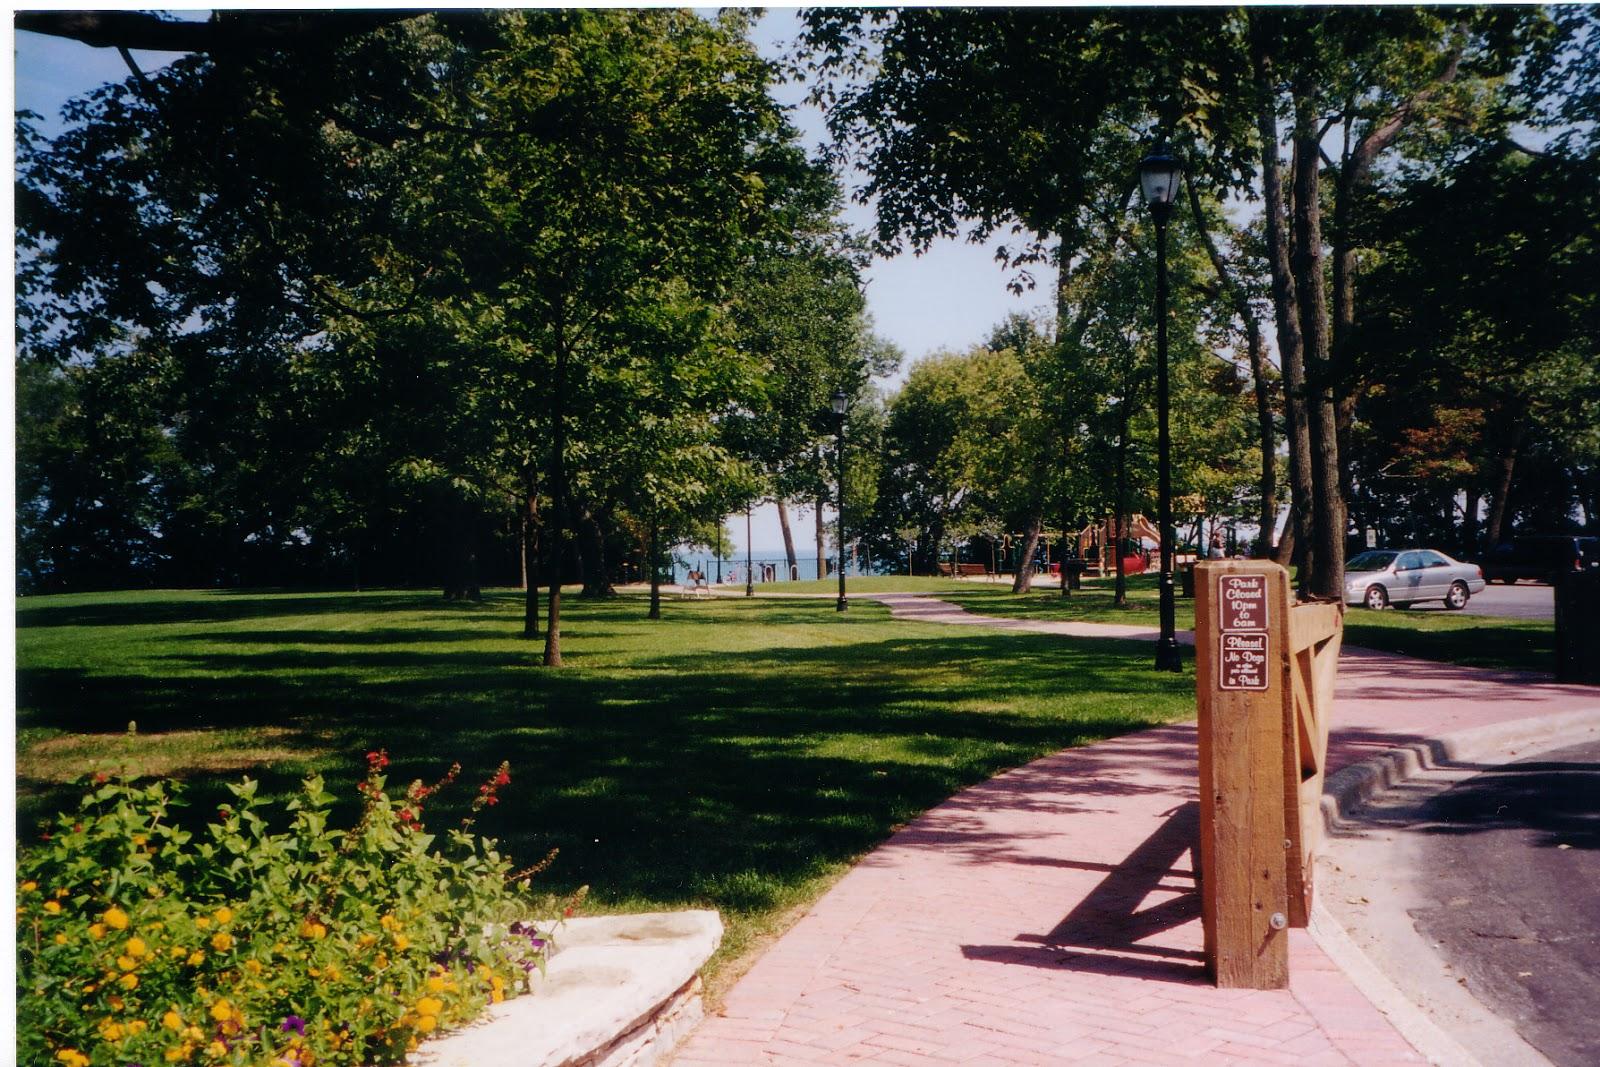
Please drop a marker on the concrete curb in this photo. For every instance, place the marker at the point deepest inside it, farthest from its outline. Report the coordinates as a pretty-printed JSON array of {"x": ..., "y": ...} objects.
[{"x": 1351, "y": 788}]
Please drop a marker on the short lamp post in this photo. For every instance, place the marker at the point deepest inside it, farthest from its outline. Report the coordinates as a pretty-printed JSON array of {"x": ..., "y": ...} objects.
[
  {"x": 749, "y": 574},
  {"x": 840, "y": 402},
  {"x": 1159, "y": 175}
]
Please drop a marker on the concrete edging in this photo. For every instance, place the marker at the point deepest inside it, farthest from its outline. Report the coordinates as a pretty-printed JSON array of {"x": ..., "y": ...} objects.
[{"x": 621, "y": 991}]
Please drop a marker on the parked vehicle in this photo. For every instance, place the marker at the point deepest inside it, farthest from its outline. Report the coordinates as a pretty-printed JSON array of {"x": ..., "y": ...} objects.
[
  {"x": 1402, "y": 577},
  {"x": 1540, "y": 558}
]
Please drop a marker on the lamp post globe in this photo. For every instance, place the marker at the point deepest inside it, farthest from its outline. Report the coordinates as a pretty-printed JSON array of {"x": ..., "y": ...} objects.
[
  {"x": 839, "y": 403},
  {"x": 1159, "y": 176}
]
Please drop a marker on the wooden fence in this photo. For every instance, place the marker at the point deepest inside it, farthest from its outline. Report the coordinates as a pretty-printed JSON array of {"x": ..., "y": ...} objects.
[{"x": 1264, "y": 676}]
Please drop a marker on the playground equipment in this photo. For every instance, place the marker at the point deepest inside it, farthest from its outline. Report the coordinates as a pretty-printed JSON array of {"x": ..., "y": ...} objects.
[{"x": 1095, "y": 543}]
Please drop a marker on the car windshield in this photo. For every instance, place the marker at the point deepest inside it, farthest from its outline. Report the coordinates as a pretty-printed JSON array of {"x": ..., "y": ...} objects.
[{"x": 1370, "y": 561}]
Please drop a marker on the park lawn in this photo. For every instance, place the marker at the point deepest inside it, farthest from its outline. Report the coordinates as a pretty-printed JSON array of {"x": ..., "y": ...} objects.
[
  {"x": 739, "y": 754},
  {"x": 1426, "y": 632}
]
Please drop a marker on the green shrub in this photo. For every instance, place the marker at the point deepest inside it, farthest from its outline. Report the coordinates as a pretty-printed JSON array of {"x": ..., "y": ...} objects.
[{"x": 141, "y": 943}]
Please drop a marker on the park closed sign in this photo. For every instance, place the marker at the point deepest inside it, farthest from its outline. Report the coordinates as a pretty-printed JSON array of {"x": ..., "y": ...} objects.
[{"x": 1244, "y": 648}]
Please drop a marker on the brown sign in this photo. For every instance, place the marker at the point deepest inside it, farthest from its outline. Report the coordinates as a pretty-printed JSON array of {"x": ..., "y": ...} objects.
[
  {"x": 1242, "y": 600},
  {"x": 1243, "y": 661},
  {"x": 1243, "y": 646}
]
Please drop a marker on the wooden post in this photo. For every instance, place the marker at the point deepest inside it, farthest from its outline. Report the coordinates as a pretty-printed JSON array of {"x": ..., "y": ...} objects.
[{"x": 1242, "y": 688}]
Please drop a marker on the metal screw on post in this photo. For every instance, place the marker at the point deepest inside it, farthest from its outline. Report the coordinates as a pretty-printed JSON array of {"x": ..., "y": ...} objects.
[
  {"x": 1159, "y": 175},
  {"x": 840, "y": 402}
]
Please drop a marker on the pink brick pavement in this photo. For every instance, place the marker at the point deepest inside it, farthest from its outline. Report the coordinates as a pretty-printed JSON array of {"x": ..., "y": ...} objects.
[{"x": 1047, "y": 916}]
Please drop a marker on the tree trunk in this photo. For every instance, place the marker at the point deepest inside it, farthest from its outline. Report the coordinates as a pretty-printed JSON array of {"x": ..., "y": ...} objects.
[
  {"x": 1284, "y": 553},
  {"x": 1030, "y": 543},
  {"x": 1121, "y": 597},
  {"x": 1286, "y": 309},
  {"x": 1501, "y": 493},
  {"x": 460, "y": 554},
  {"x": 788, "y": 539},
  {"x": 1258, "y": 371},
  {"x": 558, "y": 498},
  {"x": 592, "y": 550},
  {"x": 1327, "y": 511},
  {"x": 530, "y": 564},
  {"x": 654, "y": 564},
  {"x": 1469, "y": 522},
  {"x": 822, "y": 557}
]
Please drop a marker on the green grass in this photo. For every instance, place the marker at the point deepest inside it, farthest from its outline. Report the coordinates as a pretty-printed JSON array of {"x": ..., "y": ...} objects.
[
  {"x": 1425, "y": 632},
  {"x": 738, "y": 754},
  {"x": 1452, "y": 637}
]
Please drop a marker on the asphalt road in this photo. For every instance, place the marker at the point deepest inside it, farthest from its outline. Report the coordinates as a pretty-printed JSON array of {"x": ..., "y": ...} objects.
[
  {"x": 1509, "y": 879},
  {"x": 1525, "y": 600}
]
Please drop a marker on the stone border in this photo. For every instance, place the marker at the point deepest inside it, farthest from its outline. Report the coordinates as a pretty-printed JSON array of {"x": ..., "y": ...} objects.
[{"x": 621, "y": 991}]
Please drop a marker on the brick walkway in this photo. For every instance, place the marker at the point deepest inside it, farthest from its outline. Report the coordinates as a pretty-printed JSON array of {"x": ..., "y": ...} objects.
[{"x": 1047, "y": 916}]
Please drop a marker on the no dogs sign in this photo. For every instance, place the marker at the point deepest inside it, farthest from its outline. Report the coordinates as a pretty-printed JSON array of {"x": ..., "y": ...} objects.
[{"x": 1244, "y": 647}]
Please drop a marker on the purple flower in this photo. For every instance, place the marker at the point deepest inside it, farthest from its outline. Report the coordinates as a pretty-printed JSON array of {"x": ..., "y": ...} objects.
[
  {"x": 517, "y": 928},
  {"x": 536, "y": 942},
  {"x": 295, "y": 1023}
]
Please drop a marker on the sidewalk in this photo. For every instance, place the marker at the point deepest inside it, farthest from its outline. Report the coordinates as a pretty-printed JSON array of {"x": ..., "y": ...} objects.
[{"x": 1047, "y": 916}]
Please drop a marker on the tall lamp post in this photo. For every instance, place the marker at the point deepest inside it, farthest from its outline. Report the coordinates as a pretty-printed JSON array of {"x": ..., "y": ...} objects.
[
  {"x": 749, "y": 575},
  {"x": 1159, "y": 175},
  {"x": 840, "y": 402}
]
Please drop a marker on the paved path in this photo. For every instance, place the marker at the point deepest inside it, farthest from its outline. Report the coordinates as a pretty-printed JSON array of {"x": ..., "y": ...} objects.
[{"x": 1047, "y": 916}]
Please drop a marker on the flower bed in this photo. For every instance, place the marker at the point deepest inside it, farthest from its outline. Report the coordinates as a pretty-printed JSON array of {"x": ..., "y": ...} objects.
[{"x": 141, "y": 943}]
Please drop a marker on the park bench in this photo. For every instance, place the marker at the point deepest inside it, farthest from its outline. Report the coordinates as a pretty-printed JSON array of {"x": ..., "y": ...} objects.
[{"x": 962, "y": 570}]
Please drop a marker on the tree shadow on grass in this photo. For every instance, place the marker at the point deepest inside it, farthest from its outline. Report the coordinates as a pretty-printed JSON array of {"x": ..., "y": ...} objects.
[{"x": 707, "y": 776}]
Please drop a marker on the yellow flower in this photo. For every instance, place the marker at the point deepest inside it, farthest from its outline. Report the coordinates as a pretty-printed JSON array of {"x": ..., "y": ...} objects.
[
  {"x": 436, "y": 984},
  {"x": 140, "y": 839},
  {"x": 61, "y": 939},
  {"x": 72, "y": 1058},
  {"x": 427, "y": 1024},
  {"x": 222, "y": 1011},
  {"x": 430, "y": 1006},
  {"x": 52, "y": 907},
  {"x": 196, "y": 958},
  {"x": 115, "y": 918},
  {"x": 332, "y": 971},
  {"x": 173, "y": 1055},
  {"x": 127, "y": 963},
  {"x": 28, "y": 887},
  {"x": 172, "y": 1021},
  {"x": 129, "y": 981},
  {"x": 116, "y": 1002},
  {"x": 388, "y": 922},
  {"x": 223, "y": 915},
  {"x": 222, "y": 941},
  {"x": 217, "y": 1049},
  {"x": 401, "y": 942},
  {"x": 178, "y": 952},
  {"x": 111, "y": 1031},
  {"x": 136, "y": 947},
  {"x": 253, "y": 966},
  {"x": 137, "y": 1026},
  {"x": 366, "y": 940},
  {"x": 202, "y": 923},
  {"x": 313, "y": 929}
]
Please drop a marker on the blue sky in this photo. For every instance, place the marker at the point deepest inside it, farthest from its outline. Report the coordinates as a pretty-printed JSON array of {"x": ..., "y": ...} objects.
[{"x": 948, "y": 297}]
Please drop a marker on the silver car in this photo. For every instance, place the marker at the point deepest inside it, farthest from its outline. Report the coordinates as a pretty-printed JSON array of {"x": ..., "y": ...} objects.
[{"x": 1409, "y": 576}]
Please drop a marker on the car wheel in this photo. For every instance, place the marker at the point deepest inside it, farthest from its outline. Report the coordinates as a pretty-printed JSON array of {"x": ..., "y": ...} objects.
[
  {"x": 1377, "y": 598},
  {"x": 1457, "y": 597}
]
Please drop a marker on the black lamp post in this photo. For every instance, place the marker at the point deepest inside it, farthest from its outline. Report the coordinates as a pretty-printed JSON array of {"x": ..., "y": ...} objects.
[
  {"x": 749, "y": 575},
  {"x": 840, "y": 402},
  {"x": 1159, "y": 175}
]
